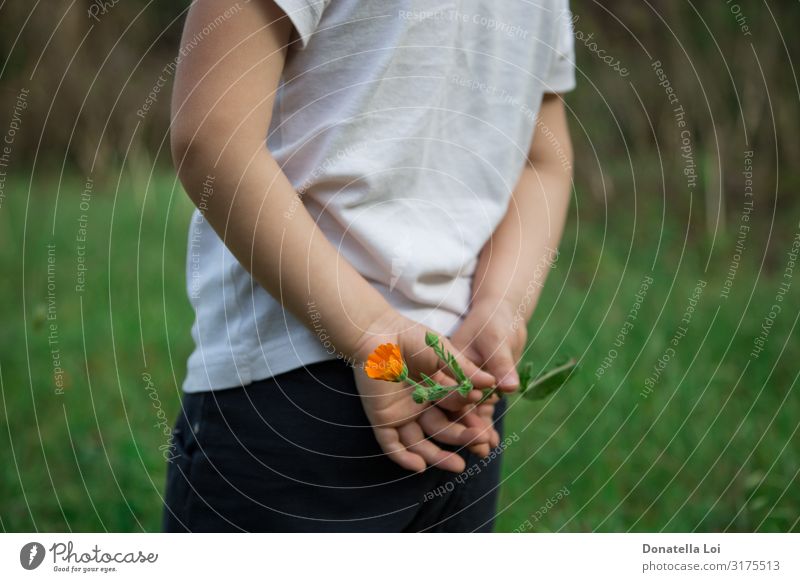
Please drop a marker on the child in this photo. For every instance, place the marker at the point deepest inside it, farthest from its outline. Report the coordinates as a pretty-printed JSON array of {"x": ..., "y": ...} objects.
[{"x": 363, "y": 172}]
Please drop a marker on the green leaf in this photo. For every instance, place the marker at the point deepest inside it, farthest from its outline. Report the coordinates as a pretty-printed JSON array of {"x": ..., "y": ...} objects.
[
  {"x": 428, "y": 381},
  {"x": 432, "y": 341},
  {"x": 438, "y": 392},
  {"x": 456, "y": 369},
  {"x": 543, "y": 385},
  {"x": 525, "y": 376},
  {"x": 464, "y": 388}
]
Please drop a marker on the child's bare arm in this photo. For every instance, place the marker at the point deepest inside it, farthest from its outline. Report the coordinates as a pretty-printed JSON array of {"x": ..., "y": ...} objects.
[
  {"x": 516, "y": 259},
  {"x": 222, "y": 104}
]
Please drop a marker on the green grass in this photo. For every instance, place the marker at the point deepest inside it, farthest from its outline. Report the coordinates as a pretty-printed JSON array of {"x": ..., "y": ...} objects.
[{"x": 713, "y": 447}]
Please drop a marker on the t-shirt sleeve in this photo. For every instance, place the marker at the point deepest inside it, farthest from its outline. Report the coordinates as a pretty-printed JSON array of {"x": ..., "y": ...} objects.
[
  {"x": 305, "y": 16},
  {"x": 561, "y": 75}
]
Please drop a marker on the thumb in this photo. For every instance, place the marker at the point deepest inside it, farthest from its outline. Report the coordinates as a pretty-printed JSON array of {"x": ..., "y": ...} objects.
[
  {"x": 502, "y": 366},
  {"x": 480, "y": 378}
]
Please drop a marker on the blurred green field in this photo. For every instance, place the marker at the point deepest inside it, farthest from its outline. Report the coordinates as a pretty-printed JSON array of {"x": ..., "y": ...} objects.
[{"x": 713, "y": 447}]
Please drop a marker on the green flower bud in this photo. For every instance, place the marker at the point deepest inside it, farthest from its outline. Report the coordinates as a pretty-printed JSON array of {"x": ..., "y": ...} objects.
[{"x": 431, "y": 339}]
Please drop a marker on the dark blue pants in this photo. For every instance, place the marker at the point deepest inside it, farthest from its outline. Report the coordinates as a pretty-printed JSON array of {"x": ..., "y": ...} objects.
[{"x": 295, "y": 453}]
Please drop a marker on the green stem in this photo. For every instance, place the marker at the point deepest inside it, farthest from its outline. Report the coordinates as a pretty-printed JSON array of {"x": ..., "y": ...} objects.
[
  {"x": 487, "y": 393},
  {"x": 423, "y": 394}
]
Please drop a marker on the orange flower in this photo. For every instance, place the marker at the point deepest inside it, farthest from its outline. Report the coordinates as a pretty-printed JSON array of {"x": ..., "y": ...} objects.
[{"x": 386, "y": 363}]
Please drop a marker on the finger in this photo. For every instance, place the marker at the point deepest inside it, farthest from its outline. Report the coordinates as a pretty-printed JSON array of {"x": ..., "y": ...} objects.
[
  {"x": 454, "y": 401},
  {"x": 456, "y": 404},
  {"x": 494, "y": 436},
  {"x": 441, "y": 377},
  {"x": 413, "y": 438},
  {"x": 476, "y": 421},
  {"x": 486, "y": 412},
  {"x": 389, "y": 441},
  {"x": 480, "y": 378},
  {"x": 469, "y": 351},
  {"x": 468, "y": 416},
  {"x": 476, "y": 396},
  {"x": 438, "y": 426},
  {"x": 502, "y": 366},
  {"x": 493, "y": 399},
  {"x": 481, "y": 450}
]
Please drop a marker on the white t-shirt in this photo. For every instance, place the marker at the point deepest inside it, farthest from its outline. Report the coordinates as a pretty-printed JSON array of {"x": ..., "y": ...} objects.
[{"x": 404, "y": 126}]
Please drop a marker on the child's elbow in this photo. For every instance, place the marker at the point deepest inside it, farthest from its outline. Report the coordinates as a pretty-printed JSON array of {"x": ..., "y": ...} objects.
[
  {"x": 197, "y": 154},
  {"x": 210, "y": 149},
  {"x": 190, "y": 154},
  {"x": 556, "y": 159}
]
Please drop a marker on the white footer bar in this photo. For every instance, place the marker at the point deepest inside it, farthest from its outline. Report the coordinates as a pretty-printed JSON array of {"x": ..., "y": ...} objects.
[{"x": 393, "y": 557}]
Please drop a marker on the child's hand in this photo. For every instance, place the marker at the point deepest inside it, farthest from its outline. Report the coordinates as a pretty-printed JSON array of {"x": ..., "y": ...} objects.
[
  {"x": 491, "y": 337},
  {"x": 402, "y": 426},
  {"x": 480, "y": 417}
]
